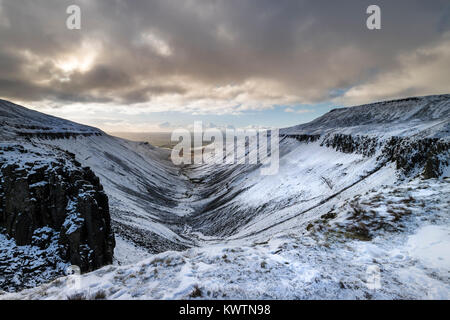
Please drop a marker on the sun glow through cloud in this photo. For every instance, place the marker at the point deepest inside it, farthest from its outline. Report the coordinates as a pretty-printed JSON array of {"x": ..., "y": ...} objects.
[
  {"x": 258, "y": 62},
  {"x": 81, "y": 61}
]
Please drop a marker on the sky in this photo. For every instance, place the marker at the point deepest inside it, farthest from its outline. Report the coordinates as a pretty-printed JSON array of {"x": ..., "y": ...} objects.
[{"x": 156, "y": 65}]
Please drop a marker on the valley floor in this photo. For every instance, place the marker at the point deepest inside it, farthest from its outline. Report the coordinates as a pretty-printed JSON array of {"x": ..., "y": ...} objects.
[
  {"x": 404, "y": 256},
  {"x": 351, "y": 213}
]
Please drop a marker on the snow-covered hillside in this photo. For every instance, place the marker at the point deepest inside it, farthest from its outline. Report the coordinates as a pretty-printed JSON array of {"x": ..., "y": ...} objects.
[
  {"x": 421, "y": 117},
  {"x": 142, "y": 184},
  {"x": 411, "y": 256},
  {"x": 359, "y": 188},
  {"x": 16, "y": 121}
]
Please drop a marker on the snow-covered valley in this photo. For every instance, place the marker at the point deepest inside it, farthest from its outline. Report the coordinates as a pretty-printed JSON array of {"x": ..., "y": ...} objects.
[{"x": 359, "y": 189}]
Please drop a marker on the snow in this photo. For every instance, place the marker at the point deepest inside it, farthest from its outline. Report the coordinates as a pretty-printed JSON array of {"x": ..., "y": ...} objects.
[
  {"x": 16, "y": 119},
  {"x": 240, "y": 235},
  {"x": 423, "y": 116},
  {"x": 30, "y": 262},
  {"x": 127, "y": 251},
  {"x": 292, "y": 264},
  {"x": 431, "y": 246},
  {"x": 38, "y": 184},
  {"x": 73, "y": 221}
]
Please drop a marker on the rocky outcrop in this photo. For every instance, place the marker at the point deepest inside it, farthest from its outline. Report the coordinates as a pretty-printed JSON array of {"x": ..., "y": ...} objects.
[
  {"x": 60, "y": 197},
  {"x": 304, "y": 137},
  {"x": 424, "y": 156},
  {"x": 345, "y": 143},
  {"x": 412, "y": 156}
]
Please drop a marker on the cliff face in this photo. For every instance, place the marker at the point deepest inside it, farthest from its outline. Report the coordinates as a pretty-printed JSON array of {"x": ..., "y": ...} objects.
[
  {"x": 324, "y": 166},
  {"x": 53, "y": 205},
  {"x": 141, "y": 182},
  {"x": 426, "y": 156}
]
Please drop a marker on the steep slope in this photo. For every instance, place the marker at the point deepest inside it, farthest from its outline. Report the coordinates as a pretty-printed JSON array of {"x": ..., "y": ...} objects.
[
  {"x": 421, "y": 116},
  {"x": 408, "y": 262},
  {"x": 16, "y": 121},
  {"x": 53, "y": 214},
  {"x": 354, "y": 188},
  {"x": 321, "y": 163},
  {"x": 142, "y": 184}
]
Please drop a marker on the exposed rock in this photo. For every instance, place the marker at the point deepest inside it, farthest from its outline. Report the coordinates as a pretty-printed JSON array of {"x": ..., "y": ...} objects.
[
  {"x": 425, "y": 156},
  {"x": 304, "y": 137},
  {"x": 364, "y": 145},
  {"x": 66, "y": 200},
  {"x": 412, "y": 156}
]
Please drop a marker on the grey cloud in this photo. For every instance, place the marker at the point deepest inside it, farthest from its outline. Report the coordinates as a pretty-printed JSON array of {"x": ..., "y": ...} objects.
[
  {"x": 146, "y": 93},
  {"x": 309, "y": 49}
]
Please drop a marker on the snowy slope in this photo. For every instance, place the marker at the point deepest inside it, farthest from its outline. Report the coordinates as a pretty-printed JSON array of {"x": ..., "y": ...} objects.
[
  {"x": 238, "y": 221},
  {"x": 423, "y": 116},
  {"x": 141, "y": 182},
  {"x": 237, "y": 202},
  {"x": 413, "y": 263},
  {"x": 17, "y": 120}
]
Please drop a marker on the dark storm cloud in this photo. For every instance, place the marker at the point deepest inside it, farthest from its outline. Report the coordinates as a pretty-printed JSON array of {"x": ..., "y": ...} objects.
[{"x": 304, "y": 50}]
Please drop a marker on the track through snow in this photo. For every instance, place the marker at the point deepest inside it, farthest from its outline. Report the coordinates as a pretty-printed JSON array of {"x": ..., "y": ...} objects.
[{"x": 335, "y": 211}]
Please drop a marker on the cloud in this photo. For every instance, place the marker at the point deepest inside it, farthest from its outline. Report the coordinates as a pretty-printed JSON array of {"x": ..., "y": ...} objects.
[
  {"x": 421, "y": 72},
  {"x": 300, "y": 111},
  {"x": 219, "y": 57},
  {"x": 164, "y": 125},
  {"x": 155, "y": 43},
  {"x": 4, "y": 21}
]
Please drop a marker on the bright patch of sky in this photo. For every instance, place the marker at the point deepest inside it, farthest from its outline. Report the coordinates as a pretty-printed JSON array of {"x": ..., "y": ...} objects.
[{"x": 278, "y": 116}]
